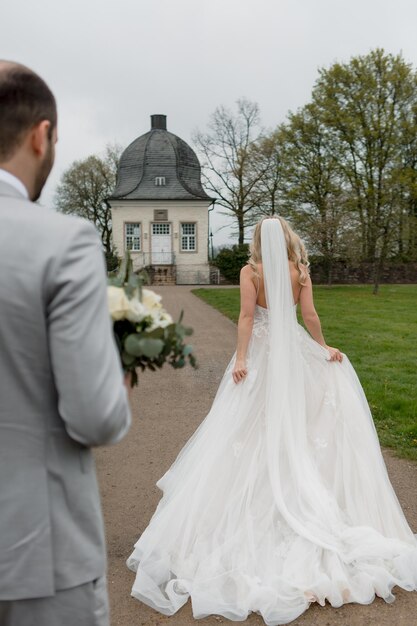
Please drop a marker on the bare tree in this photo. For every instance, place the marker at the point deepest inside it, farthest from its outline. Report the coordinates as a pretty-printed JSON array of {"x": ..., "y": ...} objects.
[
  {"x": 83, "y": 190},
  {"x": 266, "y": 159},
  {"x": 227, "y": 167}
]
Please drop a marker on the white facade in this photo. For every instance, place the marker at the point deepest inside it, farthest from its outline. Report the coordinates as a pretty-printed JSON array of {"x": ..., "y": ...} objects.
[{"x": 164, "y": 233}]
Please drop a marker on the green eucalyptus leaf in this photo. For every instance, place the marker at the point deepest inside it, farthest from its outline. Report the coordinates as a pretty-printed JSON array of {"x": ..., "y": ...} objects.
[
  {"x": 170, "y": 329},
  {"x": 121, "y": 275},
  {"x": 129, "y": 291},
  {"x": 134, "y": 282},
  {"x": 132, "y": 345},
  {"x": 128, "y": 359},
  {"x": 115, "y": 281},
  {"x": 138, "y": 345},
  {"x": 157, "y": 333},
  {"x": 151, "y": 347}
]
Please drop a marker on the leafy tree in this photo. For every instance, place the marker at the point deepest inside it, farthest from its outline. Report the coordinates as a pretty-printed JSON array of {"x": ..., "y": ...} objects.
[
  {"x": 406, "y": 240},
  {"x": 362, "y": 103},
  {"x": 315, "y": 196},
  {"x": 83, "y": 190},
  {"x": 226, "y": 164}
]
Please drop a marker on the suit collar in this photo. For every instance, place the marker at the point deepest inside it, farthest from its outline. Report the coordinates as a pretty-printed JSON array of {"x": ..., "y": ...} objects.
[
  {"x": 9, "y": 190},
  {"x": 9, "y": 182}
]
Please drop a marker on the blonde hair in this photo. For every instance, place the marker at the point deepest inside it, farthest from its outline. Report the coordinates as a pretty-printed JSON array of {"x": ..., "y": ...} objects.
[{"x": 295, "y": 249}]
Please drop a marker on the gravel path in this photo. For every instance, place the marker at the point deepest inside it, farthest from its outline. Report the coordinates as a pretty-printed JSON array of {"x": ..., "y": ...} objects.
[{"x": 168, "y": 406}]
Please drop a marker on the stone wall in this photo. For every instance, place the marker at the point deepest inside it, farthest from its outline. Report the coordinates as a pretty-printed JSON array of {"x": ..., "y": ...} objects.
[{"x": 342, "y": 273}]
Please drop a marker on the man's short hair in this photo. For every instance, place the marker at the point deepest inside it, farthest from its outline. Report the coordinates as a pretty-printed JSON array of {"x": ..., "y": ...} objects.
[{"x": 25, "y": 101}]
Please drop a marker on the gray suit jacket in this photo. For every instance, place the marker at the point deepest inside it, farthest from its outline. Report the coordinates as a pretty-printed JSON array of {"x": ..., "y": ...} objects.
[{"x": 61, "y": 392}]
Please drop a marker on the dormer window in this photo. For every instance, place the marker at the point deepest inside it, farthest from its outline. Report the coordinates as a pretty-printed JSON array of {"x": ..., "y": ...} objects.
[{"x": 159, "y": 181}]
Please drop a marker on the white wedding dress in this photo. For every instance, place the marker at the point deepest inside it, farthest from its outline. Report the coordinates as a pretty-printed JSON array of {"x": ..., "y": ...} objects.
[{"x": 281, "y": 497}]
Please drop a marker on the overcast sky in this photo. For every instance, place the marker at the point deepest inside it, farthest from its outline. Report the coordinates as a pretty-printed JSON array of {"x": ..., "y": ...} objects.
[{"x": 111, "y": 64}]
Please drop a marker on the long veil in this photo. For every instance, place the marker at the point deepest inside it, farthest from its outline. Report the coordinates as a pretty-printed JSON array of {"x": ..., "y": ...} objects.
[
  {"x": 299, "y": 493},
  {"x": 309, "y": 507}
]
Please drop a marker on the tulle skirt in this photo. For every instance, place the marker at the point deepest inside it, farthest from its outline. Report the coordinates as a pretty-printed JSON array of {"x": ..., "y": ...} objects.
[{"x": 218, "y": 536}]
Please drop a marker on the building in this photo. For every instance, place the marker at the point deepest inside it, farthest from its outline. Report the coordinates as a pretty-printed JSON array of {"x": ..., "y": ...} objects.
[{"x": 160, "y": 209}]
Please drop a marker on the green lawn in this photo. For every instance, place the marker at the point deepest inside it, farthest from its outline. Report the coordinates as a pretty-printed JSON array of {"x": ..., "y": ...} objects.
[{"x": 378, "y": 333}]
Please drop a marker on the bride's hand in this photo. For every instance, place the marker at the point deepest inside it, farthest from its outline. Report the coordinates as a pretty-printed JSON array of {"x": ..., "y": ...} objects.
[
  {"x": 239, "y": 371},
  {"x": 335, "y": 354}
]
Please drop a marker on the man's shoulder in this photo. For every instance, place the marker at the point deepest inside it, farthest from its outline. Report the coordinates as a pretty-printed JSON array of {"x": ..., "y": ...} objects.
[
  {"x": 59, "y": 225},
  {"x": 64, "y": 221},
  {"x": 42, "y": 217}
]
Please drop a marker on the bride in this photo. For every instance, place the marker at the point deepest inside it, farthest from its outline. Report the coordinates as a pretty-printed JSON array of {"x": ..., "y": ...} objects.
[{"x": 281, "y": 497}]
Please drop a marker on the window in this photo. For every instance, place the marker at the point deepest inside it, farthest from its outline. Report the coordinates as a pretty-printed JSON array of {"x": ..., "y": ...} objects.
[
  {"x": 132, "y": 236},
  {"x": 159, "y": 181},
  {"x": 161, "y": 229},
  {"x": 188, "y": 237}
]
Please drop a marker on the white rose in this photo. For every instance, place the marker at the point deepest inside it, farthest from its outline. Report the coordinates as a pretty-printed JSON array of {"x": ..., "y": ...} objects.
[
  {"x": 165, "y": 319},
  {"x": 118, "y": 303},
  {"x": 153, "y": 314},
  {"x": 160, "y": 319},
  {"x": 150, "y": 299},
  {"x": 136, "y": 311}
]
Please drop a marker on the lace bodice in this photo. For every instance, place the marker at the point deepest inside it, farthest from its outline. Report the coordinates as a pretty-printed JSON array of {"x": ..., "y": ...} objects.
[{"x": 261, "y": 321}]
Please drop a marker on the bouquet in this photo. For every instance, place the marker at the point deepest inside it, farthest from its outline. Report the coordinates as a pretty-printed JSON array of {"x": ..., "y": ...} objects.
[{"x": 146, "y": 335}]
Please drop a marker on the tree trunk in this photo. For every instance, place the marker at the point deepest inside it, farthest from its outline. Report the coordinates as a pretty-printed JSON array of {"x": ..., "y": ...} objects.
[
  {"x": 377, "y": 276},
  {"x": 400, "y": 243},
  {"x": 241, "y": 228},
  {"x": 379, "y": 261},
  {"x": 412, "y": 230},
  {"x": 329, "y": 271}
]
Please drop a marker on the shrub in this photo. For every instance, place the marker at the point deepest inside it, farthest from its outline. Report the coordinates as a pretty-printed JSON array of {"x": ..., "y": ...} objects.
[{"x": 231, "y": 260}]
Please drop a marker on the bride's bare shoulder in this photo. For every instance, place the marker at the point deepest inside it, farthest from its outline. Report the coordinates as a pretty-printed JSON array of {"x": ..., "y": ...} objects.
[
  {"x": 248, "y": 274},
  {"x": 247, "y": 270}
]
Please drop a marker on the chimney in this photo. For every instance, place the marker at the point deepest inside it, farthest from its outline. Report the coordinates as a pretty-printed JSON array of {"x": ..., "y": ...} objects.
[{"x": 158, "y": 122}]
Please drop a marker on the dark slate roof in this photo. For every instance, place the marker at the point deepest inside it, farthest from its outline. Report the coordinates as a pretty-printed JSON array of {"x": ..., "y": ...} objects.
[{"x": 159, "y": 153}]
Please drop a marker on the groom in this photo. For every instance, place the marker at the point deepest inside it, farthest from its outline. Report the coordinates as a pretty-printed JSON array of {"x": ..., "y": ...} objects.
[{"x": 61, "y": 384}]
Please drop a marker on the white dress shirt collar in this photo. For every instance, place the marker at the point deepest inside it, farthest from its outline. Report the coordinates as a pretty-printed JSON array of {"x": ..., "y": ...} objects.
[{"x": 15, "y": 182}]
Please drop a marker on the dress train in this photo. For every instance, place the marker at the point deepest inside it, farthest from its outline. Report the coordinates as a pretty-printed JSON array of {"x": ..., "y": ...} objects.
[{"x": 223, "y": 537}]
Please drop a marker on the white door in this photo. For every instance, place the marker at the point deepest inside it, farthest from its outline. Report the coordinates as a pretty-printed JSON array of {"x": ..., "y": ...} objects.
[{"x": 161, "y": 244}]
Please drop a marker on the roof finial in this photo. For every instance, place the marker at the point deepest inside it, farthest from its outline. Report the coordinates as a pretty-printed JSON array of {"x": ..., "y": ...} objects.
[{"x": 158, "y": 121}]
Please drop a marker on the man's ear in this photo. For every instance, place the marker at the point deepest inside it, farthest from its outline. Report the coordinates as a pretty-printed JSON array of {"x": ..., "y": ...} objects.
[{"x": 40, "y": 138}]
